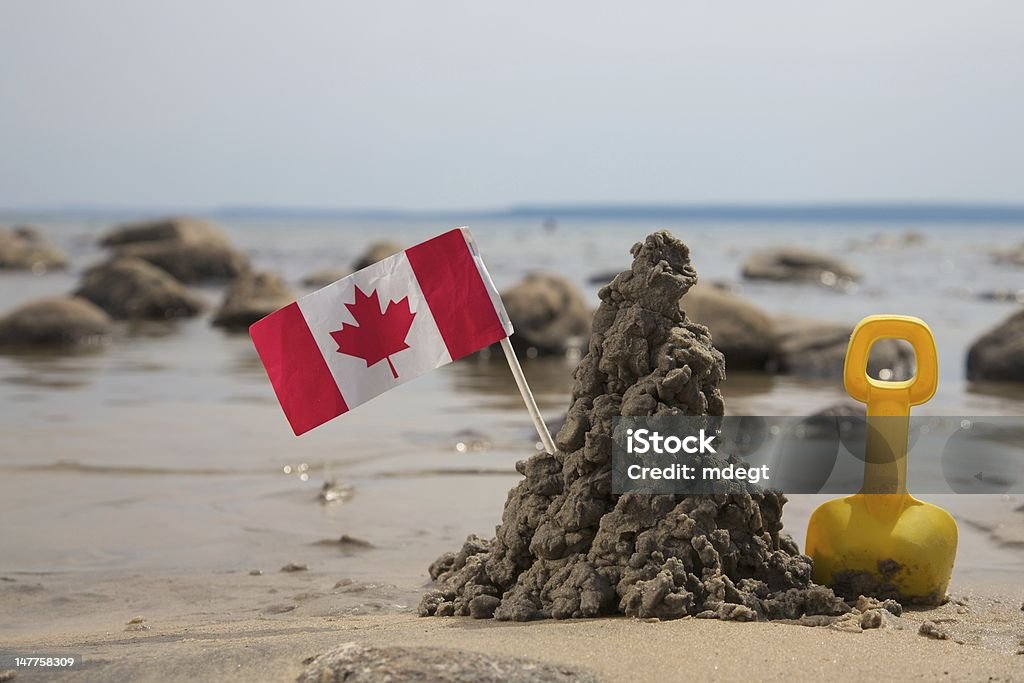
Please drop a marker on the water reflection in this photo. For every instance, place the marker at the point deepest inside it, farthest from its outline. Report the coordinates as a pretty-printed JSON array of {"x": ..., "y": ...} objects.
[
  {"x": 549, "y": 378},
  {"x": 47, "y": 369},
  {"x": 142, "y": 330}
]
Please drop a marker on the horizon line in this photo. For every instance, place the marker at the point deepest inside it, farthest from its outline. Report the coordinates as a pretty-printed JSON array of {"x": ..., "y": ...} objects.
[{"x": 853, "y": 211}]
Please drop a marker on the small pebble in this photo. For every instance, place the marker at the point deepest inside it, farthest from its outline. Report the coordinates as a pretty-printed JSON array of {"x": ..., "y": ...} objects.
[
  {"x": 292, "y": 567},
  {"x": 256, "y": 572},
  {"x": 892, "y": 607},
  {"x": 931, "y": 630},
  {"x": 874, "y": 618}
]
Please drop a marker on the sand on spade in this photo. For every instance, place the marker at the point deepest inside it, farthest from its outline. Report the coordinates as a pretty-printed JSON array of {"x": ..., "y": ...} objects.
[{"x": 568, "y": 548}]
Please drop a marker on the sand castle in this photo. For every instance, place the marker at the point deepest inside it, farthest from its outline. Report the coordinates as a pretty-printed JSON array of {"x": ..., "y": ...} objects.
[{"x": 568, "y": 548}]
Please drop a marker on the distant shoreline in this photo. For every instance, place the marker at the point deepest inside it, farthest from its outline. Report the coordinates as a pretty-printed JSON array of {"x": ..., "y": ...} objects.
[{"x": 878, "y": 212}]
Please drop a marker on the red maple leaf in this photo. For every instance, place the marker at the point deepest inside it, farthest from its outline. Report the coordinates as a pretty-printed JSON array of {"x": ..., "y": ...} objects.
[{"x": 379, "y": 333}]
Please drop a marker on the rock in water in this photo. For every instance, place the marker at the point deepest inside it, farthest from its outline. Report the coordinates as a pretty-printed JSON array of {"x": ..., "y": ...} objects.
[
  {"x": 177, "y": 228},
  {"x": 549, "y": 315},
  {"x": 24, "y": 248},
  {"x": 378, "y": 251},
  {"x": 250, "y": 297},
  {"x": 55, "y": 322},
  {"x": 742, "y": 332},
  {"x": 998, "y": 355},
  {"x": 190, "y": 249},
  {"x": 133, "y": 289},
  {"x": 327, "y": 276},
  {"x": 793, "y": 264},
  {"x": 567, "y": 547},
  {"x": 1013, "y": 256},
  {"x": 816, "y": 348}
]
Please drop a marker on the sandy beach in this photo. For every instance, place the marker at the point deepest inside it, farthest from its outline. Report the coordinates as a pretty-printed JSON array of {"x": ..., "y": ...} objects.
[{"x": 215, "y": 630}]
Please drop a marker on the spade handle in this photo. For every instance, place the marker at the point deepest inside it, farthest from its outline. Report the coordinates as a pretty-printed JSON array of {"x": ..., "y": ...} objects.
[{"x": 888, "y": 403}]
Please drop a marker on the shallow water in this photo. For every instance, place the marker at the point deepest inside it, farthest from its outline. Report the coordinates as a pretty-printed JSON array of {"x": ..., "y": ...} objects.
[{"x": 166, "y": 449}]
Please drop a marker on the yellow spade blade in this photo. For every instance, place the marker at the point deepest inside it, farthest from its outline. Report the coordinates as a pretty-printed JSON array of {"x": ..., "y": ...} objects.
[{"x": 882, "y": 541}]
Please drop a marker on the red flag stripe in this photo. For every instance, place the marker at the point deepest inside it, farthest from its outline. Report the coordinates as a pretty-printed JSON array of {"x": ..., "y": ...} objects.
[
  {"x": 303, "y": 384},
  {"x": 456, "y": 294}
]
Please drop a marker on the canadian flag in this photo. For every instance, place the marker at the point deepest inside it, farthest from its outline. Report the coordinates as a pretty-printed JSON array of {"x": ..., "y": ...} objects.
[{"x": 388, "y": 323}]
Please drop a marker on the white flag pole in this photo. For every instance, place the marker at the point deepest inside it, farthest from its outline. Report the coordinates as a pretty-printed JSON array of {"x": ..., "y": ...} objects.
[{"x": 524, "y": 389}]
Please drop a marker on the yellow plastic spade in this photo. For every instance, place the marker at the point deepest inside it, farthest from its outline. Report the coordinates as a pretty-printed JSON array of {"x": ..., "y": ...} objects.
[{"x": 883, "y": 540}]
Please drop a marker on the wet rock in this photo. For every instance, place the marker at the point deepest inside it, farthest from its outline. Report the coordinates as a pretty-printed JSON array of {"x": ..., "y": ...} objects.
[
  {"x": 549, "y": 315},
  {"x": 742, "y": 332},
  {"x": 250, "y": 297},
  {"x": 1005, "y": 294},
  {"x": 177, "y": 228},
  {"x": 793, "y": 264},
  {"x": 190, "y": 249},
  {"x": 358, "y": 663},
  {"x": 24, "y": 248},
  {"x": 568, "y": 548},
  {"x": 29, "y": 232},
  {"x": 191, "y": 261},
  {"x": 132, "y": 289},
  {"x": 998, "y": 355},
  {"x": 55, "y": 322},
  {"x": 814, "y": 348},
  {"x": 327, "y": 276},
  {"x": 1013, "y": 256},
  {"x": 378, "y": 251}
]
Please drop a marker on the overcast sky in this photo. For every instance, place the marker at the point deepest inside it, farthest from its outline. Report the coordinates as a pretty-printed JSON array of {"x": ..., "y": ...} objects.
[{"x": 437, "y": 104}]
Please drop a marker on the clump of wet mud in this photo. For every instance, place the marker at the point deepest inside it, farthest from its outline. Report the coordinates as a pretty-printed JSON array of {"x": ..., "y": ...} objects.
[
  {"x": 568, "y": 548},
  {"x": 851, "y": 583}
]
